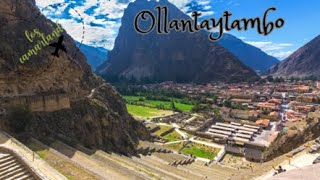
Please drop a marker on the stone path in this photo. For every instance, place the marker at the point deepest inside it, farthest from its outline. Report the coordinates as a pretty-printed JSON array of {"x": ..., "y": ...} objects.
[
  {"x": 298, "y": 162},
  {"x": 177, "y": 129}
]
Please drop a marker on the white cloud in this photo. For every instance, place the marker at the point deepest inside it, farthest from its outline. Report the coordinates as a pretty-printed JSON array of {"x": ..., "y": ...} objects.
[
  {"x": 94, "y": 36},
  {"x": 102, "y": 35},
  {"x": 111, "y": 10},
  {"x": 180, "y": 3},
  {"x": 206, "y": 13},
  {"x": 281, "y": 54},
  {"x": 187, "y": 6},
  {"x": 45, "y": 3},
  {"x": 278, "y": 50}
]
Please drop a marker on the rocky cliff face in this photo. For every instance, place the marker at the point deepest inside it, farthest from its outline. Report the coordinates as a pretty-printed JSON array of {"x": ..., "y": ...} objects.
[
  {"x": 178, "y": 56},
  {"x": 97, "y": 117},
  {"x": 302, "y": 63},
  {"x": 298, "y": 134}
]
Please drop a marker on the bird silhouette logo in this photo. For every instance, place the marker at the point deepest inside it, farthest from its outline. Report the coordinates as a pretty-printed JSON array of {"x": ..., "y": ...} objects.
[{"x": 58, "y": 45}]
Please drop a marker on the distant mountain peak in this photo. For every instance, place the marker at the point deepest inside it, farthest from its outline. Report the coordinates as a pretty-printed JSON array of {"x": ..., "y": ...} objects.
[
  {"x": 96, "y": 56},
  {"x": 167, "y": 57}
]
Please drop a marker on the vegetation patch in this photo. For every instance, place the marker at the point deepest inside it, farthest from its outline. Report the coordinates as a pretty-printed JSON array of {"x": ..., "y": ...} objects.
[
  {"x": 19, "y": 118},
  {"x": 146, "y": 112},
  {"x": 162, "y": 130},
  {"x": 173, "y": 136},
  {"x": 160, "y": 103},
  {"x": 200, "y": 151}
]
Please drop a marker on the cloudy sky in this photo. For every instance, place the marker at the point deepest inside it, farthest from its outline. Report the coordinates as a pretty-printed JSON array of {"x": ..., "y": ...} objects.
[{"x": 102, "y": 19}]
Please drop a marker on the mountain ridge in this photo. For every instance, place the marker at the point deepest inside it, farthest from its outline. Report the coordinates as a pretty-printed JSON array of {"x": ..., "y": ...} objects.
[
  {"x": 159, "y": 57},
  {"x": 302, "y": 63},
  {"x": 95, "y": 55},
  {"x": 250, "y": 55}
]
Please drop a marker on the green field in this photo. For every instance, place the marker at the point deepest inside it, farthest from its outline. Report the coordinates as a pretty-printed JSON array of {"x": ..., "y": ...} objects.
[
  {"x": 155, "y": 103},
  {"x": 173, "y": 136},
  {"x": 146, "y": 112},
  {"x": 200, "y": 151}
]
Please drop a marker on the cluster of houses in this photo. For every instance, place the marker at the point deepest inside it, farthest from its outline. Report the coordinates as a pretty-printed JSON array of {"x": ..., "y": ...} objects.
[
  {"x": 188, "y": 122},
  {"x": 252, "y": 114},
  {"x": 263, "y": 101}
]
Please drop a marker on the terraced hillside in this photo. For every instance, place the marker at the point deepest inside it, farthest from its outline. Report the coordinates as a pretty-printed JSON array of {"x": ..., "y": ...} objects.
[{"x": 153, "y": 166}]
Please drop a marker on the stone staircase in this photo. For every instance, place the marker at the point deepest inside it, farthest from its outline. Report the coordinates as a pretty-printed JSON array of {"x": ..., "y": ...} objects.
[{"x": 12, "y": 169}]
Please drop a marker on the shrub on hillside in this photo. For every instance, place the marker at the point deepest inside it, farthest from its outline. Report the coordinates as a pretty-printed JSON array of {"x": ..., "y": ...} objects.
[{"x": 19, "y": 117}]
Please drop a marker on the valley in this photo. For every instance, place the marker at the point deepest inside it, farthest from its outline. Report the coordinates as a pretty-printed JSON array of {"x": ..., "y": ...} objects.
[
  {"x": 158, "y": 105},
  {"x": 245, "y": 127}
]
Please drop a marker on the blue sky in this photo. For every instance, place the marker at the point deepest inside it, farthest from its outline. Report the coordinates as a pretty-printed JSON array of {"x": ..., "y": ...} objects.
[{"x": 102, "y": 20}]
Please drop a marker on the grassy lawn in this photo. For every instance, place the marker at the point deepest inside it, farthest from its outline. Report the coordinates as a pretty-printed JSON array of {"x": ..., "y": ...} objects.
[
  {"x": 154, "y": 103},
  {"x": 174, "y": 136},
  {"x": 184, "y": 107},
  {"x": 200, "y": 151},
  {"x": 132, "y": 98},
  {"x": 146, "y": 112}
]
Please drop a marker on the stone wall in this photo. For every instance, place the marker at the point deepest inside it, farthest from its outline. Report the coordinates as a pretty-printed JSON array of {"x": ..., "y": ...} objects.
[
  {"x": 251, "y": 154},
  {"x": 39, "y": 103}
]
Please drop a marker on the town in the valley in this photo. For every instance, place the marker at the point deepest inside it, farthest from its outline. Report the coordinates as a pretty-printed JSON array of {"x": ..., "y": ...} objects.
[
  {"x": 254, "y": 130},
  {"x": 120, "y": 93}
]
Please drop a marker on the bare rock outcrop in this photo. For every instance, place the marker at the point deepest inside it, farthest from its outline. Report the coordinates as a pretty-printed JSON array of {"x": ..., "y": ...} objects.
[
  {"x": 97, "y": 116},
  {"x": 304, "y": 62}
]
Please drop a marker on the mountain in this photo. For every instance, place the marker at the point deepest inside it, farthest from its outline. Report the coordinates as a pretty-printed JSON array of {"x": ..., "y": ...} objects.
[
  {"x": 95, "y": 55},
  {"x": 178, "y": 56},
  {"x": 251, "y": 56},
  {"x": 304, "y": 62},
  {"x": 66, "y": 99}
]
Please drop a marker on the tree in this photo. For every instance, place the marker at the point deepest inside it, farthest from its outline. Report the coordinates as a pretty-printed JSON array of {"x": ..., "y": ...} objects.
[
  {"x": 217, "y": 114},
  {"x": 227, "y": 104},
  {"x": 196, "y": 107},
  {"x": 292, "y": 79},
  {"x": 215, "y": 98},
  {"x": 278, "y": 79},
  {"x": 270, "y": 78},
  {"x": 172, "y": 105}
]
